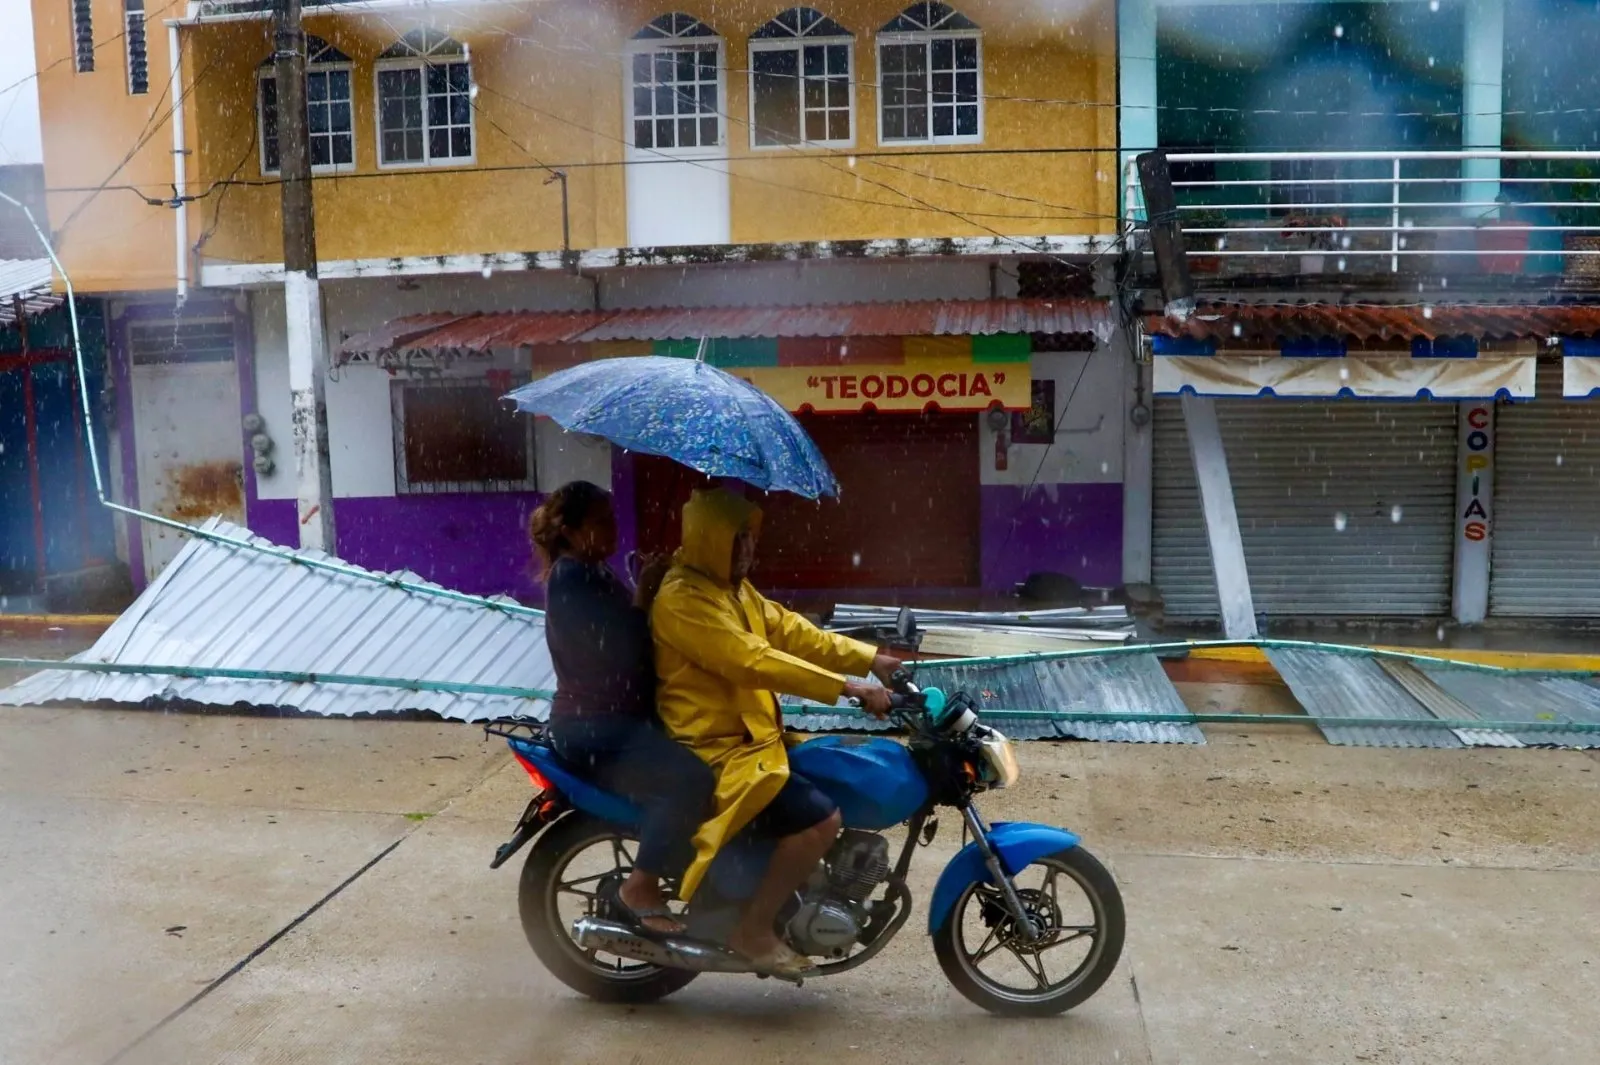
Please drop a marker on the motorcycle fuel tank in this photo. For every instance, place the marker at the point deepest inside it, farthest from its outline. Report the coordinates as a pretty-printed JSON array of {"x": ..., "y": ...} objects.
[{"x": 874, "y": 781}]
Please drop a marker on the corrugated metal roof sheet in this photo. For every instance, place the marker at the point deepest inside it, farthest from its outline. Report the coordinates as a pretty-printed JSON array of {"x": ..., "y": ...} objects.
[
  {"x": 1241, "y": 323},
  {"x": 29, "y": 279},
  {"x": 1336, "y": 685},
  {"x": 1128, "y": 684},
  {"x": 220, "y": 606},
  {"x": 436, "y": 332},
  {"x": 1498, "y": 697}
]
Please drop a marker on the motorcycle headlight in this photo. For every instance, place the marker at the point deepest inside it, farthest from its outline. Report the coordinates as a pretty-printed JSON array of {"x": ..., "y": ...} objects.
[{"x": 999, "y": 761}]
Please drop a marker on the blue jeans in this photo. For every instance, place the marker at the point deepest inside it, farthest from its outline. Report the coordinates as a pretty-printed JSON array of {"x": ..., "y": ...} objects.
[{"x": 668, "y": 782}]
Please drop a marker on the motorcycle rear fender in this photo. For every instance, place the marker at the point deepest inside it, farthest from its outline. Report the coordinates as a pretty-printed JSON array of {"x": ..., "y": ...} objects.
[{"x": 1017, "y": 842}]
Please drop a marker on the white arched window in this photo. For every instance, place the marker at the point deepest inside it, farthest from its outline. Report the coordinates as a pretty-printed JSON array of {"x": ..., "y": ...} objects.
[
  {"x": 425, "y": 101},
  {"x": 675, "y": 87},
  {"x": 930, "y": 73},
  {"x": 330, "y": 127},
  {"x": 802, "y": 88}
]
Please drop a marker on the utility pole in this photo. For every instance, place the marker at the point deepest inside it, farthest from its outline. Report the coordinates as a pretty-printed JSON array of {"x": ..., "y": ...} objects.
[{"x": 307, "y": 341}]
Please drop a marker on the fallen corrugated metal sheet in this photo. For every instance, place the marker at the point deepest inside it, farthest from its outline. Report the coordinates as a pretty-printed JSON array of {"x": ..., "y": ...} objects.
[
  {"x": 1242, "y": 323},
  {"x": 1421, "y": 685},
  {"x": 220, "y": 606},
  {"x": 1121, "y": 684},
  {"x": 1336, "y": 685},
  {"x": 1499, "y": 697},
  {"x": 484, "y": 331}
]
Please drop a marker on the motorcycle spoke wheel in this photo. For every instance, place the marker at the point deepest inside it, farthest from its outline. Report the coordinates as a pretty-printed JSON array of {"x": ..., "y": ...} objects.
[
  {"x": 579, "y": 886},
  {"x": 1070, "y": 921}
]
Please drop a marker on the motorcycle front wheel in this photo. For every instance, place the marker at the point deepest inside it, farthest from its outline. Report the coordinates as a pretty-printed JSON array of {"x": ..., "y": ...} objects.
[
  {"x": 569, "y": 870},
  {"x": 1076, "y": 911}
]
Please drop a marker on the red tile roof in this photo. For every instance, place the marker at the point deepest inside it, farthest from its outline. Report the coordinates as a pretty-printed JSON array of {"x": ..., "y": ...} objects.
[{"x": 1367, "y": 323}]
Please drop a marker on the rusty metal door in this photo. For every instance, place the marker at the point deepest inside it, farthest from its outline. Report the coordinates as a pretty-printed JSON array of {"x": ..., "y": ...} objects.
[{"x": 190, "y": 449}]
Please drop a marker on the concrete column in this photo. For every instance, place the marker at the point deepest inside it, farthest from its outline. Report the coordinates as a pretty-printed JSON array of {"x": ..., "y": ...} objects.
[
  {"x": 1474, "y": 512},
  {"x": 1222, "y": 520},
  {"x": 1483, "y": 99},
  {"x": 1138, "y": 472},
  {"x": 308, "y": 370},
  {"x": 1136, "y": 53}
]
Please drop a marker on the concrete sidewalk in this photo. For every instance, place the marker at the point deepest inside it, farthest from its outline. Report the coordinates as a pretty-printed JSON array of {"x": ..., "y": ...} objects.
[{"x": 1288, "y": 901}]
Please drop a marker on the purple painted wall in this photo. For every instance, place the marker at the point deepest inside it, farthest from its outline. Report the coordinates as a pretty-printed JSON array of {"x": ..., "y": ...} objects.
[
  {"x": 1074, "y": 529},
  {"x": 475, "y": 543},
  {"x": 472, "y": 543}
]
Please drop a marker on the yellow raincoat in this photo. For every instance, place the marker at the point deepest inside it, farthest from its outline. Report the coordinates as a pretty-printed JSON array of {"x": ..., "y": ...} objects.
[{"x": 721, "y": 652}]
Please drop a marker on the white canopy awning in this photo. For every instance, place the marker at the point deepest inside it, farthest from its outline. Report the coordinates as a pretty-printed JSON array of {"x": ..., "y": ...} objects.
[{"x": 1353, "y": 376}]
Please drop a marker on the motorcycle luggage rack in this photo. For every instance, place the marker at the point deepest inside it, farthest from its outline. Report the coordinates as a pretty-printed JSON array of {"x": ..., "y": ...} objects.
[{"x": 528, "y": 729}]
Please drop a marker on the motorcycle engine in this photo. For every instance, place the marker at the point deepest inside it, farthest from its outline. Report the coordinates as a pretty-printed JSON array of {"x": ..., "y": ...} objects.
[{"x": 829, "y": 920}]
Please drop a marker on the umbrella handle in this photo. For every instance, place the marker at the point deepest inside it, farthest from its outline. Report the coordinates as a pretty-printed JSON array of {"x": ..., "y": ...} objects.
[{"x": 631, "y": 566}]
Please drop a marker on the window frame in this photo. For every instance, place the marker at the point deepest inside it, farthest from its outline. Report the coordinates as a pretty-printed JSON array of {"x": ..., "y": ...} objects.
[
  {"x": 927, "y": 38},
  {"x": 421, "y": 63},
  {"x": 133, "y": 15},
  {"x": 403, "y": 485},
  {"x": 267, "y": 73},
  {"x": 798, "y": 45},
  {"x": 651, "y": 45}
]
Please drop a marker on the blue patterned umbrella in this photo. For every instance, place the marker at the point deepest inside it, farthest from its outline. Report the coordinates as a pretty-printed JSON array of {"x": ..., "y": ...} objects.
[{"x": 686, "y": 411}]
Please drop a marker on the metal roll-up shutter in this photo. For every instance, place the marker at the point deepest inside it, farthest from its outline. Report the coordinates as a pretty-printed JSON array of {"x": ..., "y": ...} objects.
[
  {"x": 1545, "y": 551},
  {"x": 1345, "y": 507}
]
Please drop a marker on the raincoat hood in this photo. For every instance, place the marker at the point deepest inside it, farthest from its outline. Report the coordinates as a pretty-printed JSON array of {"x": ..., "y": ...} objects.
[{"x": 711, "y": 521}]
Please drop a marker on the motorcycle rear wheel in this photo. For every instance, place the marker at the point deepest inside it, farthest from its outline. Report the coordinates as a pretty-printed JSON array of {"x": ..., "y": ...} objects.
[
  {"x": 547, "y": 876},
  {"x": 980, "y": 914}
]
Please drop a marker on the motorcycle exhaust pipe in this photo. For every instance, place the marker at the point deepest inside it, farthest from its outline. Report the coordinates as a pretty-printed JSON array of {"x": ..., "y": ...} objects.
[{"x": 669, "y": 952}]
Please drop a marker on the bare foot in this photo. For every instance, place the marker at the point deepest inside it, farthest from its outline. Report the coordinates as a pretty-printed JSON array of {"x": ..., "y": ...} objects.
[{"x": 645, "y": 899}]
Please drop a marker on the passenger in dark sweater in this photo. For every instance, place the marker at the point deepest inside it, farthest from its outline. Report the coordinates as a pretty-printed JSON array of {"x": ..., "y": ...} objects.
[{"x": 603, "y": 717}]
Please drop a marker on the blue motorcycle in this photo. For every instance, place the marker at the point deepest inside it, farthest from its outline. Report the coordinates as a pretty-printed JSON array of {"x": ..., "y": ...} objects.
[{"x": 1024, "y": 921}]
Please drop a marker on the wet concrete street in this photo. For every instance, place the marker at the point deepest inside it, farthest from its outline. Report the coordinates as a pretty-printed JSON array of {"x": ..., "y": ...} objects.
[{"x": 1288, "y": 901}]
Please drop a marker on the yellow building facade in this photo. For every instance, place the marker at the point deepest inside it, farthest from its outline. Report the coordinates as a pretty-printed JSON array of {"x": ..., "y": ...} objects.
[{"x": 440, "y": 131}]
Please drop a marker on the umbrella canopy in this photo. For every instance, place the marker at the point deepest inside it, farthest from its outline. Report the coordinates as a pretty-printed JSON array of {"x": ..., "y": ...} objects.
[{"x": 686, "y": 411}]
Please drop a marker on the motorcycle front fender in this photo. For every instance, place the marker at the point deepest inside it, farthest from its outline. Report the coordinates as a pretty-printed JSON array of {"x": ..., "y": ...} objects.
[{"x": 1017, "y": 842}]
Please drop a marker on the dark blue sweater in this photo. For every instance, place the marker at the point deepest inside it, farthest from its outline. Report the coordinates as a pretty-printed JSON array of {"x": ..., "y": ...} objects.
[{"x": 599, "y": 644}]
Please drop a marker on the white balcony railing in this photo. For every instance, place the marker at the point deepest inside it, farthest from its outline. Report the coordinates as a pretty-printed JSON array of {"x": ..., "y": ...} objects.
[{"x": 1371, "y": 212}]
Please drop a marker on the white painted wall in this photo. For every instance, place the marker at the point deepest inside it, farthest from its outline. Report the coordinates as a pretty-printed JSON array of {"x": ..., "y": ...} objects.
[
  {"x": 1088, "y": 445},
  {"x": 801, "y": 283},
  {"x": 360, "y": 421}
]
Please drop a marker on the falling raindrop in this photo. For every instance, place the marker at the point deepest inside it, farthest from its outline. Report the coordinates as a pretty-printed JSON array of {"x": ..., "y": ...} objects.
[
  {"x": 1395, "y": 513},
  {"x": 473, "y": 92},
  {"x": 488, "y": 271},
  {"x": 1222, "y": 243},
  {"x": 1341, "y": 264},
  {"x": 1427, "y": 311},
  {"x": 1105, "y": 467},
  {"x": 1439, "y": 632},
  {"x": 1344, "y": 373},
  {"x": 1338, "y": 31},
  {"x": 1340, "y": 521},
  {"x": 1344, "y": 242},
  {"x": 1560, "y": 459},
  {"x": 855, "y": 559},
  {"x": 1430, "y": 60},
  {"x": 850, "y": 161},
  {"x": 1238, "y": 330},
  {"x": 1433, "y": 5}
]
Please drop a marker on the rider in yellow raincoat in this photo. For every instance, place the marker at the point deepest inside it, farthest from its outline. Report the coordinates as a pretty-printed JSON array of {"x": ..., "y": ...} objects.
[{"x": 721, "y": 652}]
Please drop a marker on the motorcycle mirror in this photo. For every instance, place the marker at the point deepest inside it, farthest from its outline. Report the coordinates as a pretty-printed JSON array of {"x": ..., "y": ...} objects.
[{"x": 905, "y": 623}]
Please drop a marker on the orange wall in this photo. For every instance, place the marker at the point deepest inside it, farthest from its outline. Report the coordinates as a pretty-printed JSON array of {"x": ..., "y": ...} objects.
[
  {"x": 551, "y": 83},
  {"x": 93, "y": 130}
]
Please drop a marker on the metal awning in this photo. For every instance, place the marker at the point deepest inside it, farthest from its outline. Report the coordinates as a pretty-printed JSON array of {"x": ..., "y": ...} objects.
[
  {"x": 484, "y": 331},
  {"x": 1328, "y": 350},
  {"x": 27, "y": 280}
]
